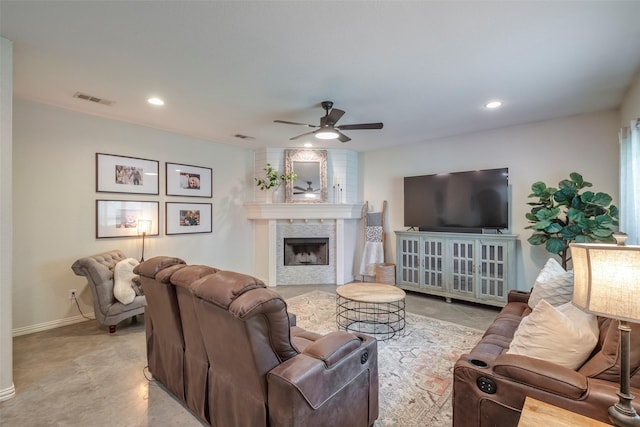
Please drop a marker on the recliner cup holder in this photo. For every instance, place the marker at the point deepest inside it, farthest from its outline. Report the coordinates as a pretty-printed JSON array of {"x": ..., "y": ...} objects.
[{"x": 479, "y": 363}]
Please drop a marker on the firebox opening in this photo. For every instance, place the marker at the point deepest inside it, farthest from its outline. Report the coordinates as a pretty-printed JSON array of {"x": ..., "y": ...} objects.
[{"x": 306, "y": 251}]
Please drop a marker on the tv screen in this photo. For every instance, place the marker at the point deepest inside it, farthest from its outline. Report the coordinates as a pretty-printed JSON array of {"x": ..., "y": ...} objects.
[{"x": 459, "y": 201}]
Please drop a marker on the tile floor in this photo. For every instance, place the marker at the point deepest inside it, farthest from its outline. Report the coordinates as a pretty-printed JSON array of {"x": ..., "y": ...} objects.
[{"x": 79, "y": 375}]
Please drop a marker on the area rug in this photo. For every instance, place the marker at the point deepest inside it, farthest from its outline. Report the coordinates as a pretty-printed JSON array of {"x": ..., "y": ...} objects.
[{"x": 415, "y": 369}]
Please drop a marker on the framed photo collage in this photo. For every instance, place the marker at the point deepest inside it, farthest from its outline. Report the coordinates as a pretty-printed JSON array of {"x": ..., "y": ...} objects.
[{"x": 132, "y": 175}]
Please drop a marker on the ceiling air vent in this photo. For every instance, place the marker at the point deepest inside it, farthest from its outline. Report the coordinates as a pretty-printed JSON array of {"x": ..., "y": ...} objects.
[{"x": 92, "y": 98}]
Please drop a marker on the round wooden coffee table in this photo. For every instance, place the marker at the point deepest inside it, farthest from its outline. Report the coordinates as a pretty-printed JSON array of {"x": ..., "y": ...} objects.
[{"x": 371, "y": 308}]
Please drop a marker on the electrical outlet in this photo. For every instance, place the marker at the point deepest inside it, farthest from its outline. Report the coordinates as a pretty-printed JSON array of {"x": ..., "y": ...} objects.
[{"x": 73, "y": 293}]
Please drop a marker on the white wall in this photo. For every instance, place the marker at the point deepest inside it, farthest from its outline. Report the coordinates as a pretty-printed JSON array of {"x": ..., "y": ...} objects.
[
  {"x": 545, "y": 151},
  {"x": 54, "y": 206},
  {"x": 7, "y": 390},
  {"x": 54, "y": 191}
]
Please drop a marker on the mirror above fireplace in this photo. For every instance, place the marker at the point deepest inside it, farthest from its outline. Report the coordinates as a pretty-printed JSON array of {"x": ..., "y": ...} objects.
[{"x": 311, "y": 168}]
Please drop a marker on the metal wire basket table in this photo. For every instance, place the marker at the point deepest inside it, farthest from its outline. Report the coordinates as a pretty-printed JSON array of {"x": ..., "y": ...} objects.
[{"x": 371, "y": 308}]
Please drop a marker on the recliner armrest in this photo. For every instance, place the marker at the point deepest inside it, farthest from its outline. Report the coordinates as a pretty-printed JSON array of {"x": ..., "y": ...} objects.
[
  {"x": 333, "y": 347},
  {"x": 326, "y": 366},
  {"x": 542, "y": 375},
  {"x": 518, "y": 296}
]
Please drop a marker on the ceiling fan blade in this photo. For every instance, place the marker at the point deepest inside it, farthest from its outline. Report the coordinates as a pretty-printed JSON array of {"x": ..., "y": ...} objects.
[
  {"x": 343, "y": 138},
  {"x": 294, "y": 123},
  {"x": 334, "y": 116},
  {"x": 301, "y": 135},
  {"x": 361, "y": 126},
  {"x": 300, "y": 188}
]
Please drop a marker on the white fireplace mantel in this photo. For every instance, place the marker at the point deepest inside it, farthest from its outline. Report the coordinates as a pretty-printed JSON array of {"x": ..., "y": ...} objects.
[
  {"x": 303, "y": 211},
  {"x": 339, "y": 214}
]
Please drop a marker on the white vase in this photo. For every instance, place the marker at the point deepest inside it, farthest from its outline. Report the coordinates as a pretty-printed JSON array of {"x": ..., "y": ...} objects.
[
  {"x": 268, "y": 196},
  {"x": 277, "y": 195}
]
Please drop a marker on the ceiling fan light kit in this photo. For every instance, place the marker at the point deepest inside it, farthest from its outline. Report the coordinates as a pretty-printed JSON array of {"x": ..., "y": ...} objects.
[
  {"x": 326, "y": 134},
  {"x": 328, "y": 128}
]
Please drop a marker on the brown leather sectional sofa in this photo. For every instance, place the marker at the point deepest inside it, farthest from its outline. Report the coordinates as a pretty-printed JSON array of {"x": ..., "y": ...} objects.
[
  {"x": 490, "y": 387},
  {"x": 224, "y": 345}
]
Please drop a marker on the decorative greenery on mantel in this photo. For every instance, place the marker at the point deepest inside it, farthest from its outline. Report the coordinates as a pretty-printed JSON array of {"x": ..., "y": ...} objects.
[
  {"x": 274, "y": 179},
  {"x": 564, "y": 215}
]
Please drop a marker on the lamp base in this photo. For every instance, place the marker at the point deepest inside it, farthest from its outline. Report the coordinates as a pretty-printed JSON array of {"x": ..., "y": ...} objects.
[
  {"x": 143, "y": 236},
  {"x": 623, "y": 413},
  {"x": 623, "y": 419}
]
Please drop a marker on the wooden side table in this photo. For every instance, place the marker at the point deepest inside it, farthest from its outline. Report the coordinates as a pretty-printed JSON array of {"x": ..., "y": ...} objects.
[
  {"x": 536, "y": 414},
  {"x": 371, "y": 308}
]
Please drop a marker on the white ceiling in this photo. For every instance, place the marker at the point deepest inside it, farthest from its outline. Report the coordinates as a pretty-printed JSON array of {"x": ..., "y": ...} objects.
[{"x": 425, "y": 69}]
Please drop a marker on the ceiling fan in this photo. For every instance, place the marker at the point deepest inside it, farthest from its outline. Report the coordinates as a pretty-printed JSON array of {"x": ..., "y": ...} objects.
[
  {"x": 307, "y": 191},
  {"x": 328, "y": 128}
]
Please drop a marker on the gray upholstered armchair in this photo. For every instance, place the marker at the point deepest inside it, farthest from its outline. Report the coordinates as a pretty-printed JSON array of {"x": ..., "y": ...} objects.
[{"x": 98, "y": 270}]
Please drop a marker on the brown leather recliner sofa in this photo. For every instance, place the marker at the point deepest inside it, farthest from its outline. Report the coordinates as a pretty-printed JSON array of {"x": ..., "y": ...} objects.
[
  {"x": 490, "y": 386},
  {"x": 224, "y": 344}
]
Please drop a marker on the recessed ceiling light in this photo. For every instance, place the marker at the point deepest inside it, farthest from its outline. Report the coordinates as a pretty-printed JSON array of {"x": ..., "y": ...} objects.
[
  {"x": 308, "y": 144},
  {"x": 493, "y": 104},
  {"x": 155, "y": 101}
]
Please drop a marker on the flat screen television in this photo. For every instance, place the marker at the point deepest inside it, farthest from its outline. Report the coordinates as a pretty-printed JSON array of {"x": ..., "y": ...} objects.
[{"x": 460, "y": 202}]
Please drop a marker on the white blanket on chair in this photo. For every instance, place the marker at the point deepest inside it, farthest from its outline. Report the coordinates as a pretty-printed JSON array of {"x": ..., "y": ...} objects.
[
  {"x": 372, "y": 255},
  {"x": 123, "y": 280}
]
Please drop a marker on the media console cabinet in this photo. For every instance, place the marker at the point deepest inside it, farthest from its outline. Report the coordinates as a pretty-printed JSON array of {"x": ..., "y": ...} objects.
[{"x": 463, "y": 266}]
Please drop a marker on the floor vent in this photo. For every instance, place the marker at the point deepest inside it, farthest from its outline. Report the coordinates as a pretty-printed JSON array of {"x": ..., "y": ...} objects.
[{"x": 92, "y": 98}]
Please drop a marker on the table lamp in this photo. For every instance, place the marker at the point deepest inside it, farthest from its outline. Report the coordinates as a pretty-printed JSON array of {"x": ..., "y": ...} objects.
[
  {"x": 607, "y": 283},
  {"x": 144, "y": 226}
]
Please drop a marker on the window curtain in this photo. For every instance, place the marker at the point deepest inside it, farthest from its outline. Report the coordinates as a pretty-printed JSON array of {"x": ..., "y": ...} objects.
[{"x": 630, "y": 181}]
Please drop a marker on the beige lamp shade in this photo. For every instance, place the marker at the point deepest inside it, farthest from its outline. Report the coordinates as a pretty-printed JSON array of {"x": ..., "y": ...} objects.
[{"x": 607, "y": 280}]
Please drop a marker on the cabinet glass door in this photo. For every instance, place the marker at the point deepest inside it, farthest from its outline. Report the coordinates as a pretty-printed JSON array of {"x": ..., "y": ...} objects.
[
  {"x": 492, "y": 272},
  {"x": 432, "y": 254},
  {"x": 462, "y": 267},
  {"x": 409, "y": 271}
]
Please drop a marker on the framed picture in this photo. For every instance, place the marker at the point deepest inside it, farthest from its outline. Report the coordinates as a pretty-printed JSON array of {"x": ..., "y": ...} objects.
[
  {"x": 187, "y": 180},
  {"x": 311, "y": 168},
  {"x": 120, "y": 174},
  {"x": 121, "y": 218},
  {"x": 187, "y": 218}
]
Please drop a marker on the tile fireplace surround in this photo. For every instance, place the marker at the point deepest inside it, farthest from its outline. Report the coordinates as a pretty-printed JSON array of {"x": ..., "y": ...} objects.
[{"x": 275, "y": 221}]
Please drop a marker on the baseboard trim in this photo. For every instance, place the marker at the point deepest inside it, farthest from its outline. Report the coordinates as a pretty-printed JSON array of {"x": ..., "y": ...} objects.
[
  {"x": 8, "y": 393},
  {"x": 50, "y": 325}
]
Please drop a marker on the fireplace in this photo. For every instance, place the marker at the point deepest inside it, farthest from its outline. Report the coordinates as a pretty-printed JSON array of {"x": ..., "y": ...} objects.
[
  {"x": 278, "y": 221},
  {"x": 306, "y": 251}
]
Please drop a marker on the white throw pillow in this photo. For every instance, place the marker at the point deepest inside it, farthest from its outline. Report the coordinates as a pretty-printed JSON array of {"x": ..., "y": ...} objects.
[
  {"x": 564, "y": 335},
  {"x": 122, "y": 280},
  {"x": 553, "y": 284}
]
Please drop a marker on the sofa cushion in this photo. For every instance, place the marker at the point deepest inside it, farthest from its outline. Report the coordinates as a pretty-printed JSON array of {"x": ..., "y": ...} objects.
[
  {"x": 187, "y": 276},
  {"x": 553, "y": 284},
  {"x": 564, "y": 335},
  {"x": 223, "y": 287},
  {"x": 605, "y": 360},
  {"x": 152, "y": 266}
]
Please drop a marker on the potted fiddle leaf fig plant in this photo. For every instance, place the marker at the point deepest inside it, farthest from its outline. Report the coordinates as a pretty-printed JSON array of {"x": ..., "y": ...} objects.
[
  {"x": 567, "y": 214},
  {"x": 273, "y": 179}
]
